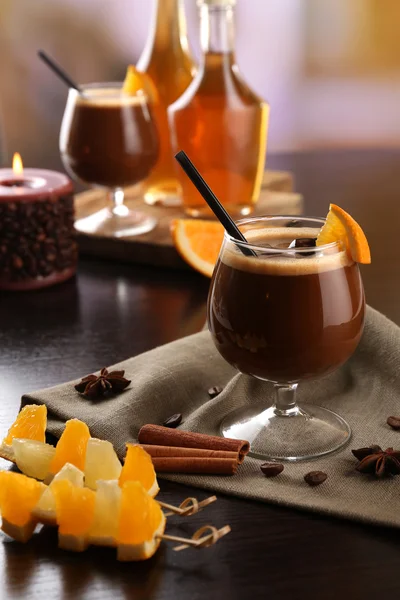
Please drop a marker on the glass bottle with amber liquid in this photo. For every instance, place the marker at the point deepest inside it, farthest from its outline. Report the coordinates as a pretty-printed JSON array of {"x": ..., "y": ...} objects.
[
  {"x": 167, "y": 59},
  {"x": 219, "y": 121}
]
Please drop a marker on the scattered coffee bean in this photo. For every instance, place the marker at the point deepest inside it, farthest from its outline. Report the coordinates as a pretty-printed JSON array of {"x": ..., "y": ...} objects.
[
  {"x": 271, "y": 469},
  {"x": 173, "y": 421},
  {"x": 314, "y": 478},
  {"x": 394, "y": 422},
  {"x": 214, "y": 391}
]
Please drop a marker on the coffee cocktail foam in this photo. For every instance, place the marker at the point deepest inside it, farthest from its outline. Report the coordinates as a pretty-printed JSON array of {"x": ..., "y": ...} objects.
[
  {"x": 110, "y": 97},
  {"x": 284, "y": 261}
]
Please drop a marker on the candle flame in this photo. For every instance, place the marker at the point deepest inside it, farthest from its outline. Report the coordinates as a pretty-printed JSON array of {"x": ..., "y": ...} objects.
[{"x": 17, "y": 166}]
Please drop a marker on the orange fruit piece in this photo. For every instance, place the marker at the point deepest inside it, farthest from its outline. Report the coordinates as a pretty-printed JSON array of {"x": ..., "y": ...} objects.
[
  {"x": 135, "y": 82},
  {"x": 340, "y": 226},
  {"x": 141, "y": 522},
  {"x": 45, "y": 510},
  {"x": 198, "y": 241},
  {"x": 71, "y": 447},
  {"x": 18, "y": 496},
  {"x": 138, "y": 466},
  {"x": 30, "y": 424},
  {"x": 75, "y": 512}
]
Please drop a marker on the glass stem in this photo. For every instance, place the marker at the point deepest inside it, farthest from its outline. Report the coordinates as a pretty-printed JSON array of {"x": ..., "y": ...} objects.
[
  {"x": 285, "y": 400},
  {"x": 118, "y": 207}
]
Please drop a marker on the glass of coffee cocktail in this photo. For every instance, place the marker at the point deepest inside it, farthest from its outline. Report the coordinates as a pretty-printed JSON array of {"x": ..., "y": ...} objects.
[
  {"x": 289, "y": 312},
  {"x": 109, "y": 140}
]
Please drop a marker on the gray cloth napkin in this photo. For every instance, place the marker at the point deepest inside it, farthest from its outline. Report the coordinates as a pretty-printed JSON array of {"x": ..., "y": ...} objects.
[{"x": 175, "y": 378}]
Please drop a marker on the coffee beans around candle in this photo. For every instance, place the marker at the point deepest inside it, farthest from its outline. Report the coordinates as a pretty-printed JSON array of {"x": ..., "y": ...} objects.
[{"x": 37, "y": 241}]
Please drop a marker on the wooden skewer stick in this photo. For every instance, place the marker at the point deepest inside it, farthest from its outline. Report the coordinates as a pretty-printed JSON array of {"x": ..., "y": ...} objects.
[
  {"x": 175, "y": 538},
  {"x": 190, "y": 506},
  {"x": 198, "y": 540}
]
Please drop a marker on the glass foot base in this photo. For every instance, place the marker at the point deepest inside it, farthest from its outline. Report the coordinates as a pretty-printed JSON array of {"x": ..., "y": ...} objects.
[
  {"x": 169, "y": 200},
  {"x": 204, "y": 212},
  {"x": 108, "y": 224},
  {"x": 308, "y": 432}
]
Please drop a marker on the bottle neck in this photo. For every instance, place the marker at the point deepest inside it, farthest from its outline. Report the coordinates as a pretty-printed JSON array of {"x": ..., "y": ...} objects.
[
  {"x": 217, "y": 31},
  {"x": 168, "y": 27}
]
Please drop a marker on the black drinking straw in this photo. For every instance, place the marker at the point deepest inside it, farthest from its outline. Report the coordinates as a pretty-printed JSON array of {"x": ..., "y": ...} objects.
[
  {"x": 213, "y": 202},
  {"x": 59, "y": 71}
]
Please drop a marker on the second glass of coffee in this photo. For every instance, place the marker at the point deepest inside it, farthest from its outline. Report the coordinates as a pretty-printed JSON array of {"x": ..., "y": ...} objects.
[
  {"x": 108, "y": 139},
  {"x": 287, "y": 314}
]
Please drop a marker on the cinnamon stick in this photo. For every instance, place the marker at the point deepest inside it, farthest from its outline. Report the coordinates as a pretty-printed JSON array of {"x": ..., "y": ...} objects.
[
  {"x": 188, "y": 464},
  {"x": 163, "y": 436},
  {"x": 175, "y": 451}
]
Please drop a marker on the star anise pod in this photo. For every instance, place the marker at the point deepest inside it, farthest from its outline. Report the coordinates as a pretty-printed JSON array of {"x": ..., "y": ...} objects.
[
  {"x": 96, "y": 386},
  {"x": 378, "y": 462}
]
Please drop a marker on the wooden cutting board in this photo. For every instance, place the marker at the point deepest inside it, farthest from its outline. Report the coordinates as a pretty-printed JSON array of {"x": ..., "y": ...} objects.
[{"x": 156, "y": 247}]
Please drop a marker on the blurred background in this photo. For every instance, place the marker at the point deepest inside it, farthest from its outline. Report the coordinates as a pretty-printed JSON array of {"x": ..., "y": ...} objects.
[{"x": 330, "y": 69}]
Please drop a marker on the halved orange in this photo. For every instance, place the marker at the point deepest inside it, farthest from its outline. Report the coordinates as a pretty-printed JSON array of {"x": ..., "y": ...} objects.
[
  {"x": 18, "y": 496},
  {"x": 198, "y": 241},
  {"x": 30, "y": 424},
  {"x": 340, "y": 226},
  {"x": 138, "y": 466},
  {"x": 71, "y": 447},
  {"x": 141, "y": 523},
  {"x": 75, "y": 512}
]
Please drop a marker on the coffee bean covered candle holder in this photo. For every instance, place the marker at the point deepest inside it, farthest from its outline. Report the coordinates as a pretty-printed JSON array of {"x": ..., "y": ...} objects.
[{"x": 37, "y": 239}]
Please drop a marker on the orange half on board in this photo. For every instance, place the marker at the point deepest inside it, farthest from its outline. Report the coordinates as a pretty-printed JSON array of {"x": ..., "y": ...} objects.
[
  {"x": 340, "y": 226},
  {"x": 198, "y": 241}
]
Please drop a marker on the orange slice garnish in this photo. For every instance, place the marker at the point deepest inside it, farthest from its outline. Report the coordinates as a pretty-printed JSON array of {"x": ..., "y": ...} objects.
[
  {"x": 198, "y": 242},
  {"x": 340, "y": 226},
  {"x": 136, "y": 82}
]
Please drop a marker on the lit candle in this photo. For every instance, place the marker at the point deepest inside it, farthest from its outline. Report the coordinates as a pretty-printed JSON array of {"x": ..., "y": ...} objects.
[{"x": 37, "y": 239}]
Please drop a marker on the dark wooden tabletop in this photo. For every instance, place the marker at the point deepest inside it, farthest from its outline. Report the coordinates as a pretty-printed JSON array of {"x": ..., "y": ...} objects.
[{"x": 112, "y": 311}]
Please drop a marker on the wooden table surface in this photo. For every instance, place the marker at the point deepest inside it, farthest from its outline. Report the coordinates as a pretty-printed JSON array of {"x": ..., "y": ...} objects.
[{"x": 112, "y": 311}]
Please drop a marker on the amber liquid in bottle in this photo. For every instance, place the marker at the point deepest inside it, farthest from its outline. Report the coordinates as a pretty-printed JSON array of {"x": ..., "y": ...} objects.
[
  {"x": 166, "y": 58},
  {"x": 220, "y": 122}
]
